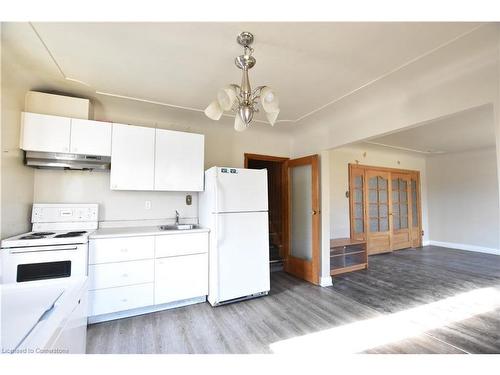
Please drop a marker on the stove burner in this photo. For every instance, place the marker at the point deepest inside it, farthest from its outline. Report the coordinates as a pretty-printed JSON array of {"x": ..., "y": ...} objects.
[
  {"x": 30, "y": 237},
  {"x": 70, "y": 234},
  {"x": 36, "y": 235}
]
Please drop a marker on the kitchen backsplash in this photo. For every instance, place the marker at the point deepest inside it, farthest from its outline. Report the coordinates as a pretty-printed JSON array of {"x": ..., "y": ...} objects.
[{"x": 56, "y": 186}]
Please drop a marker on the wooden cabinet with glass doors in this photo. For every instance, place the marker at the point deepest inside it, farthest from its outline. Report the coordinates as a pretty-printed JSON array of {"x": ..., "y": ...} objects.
[{"x": 384, "y": 205}]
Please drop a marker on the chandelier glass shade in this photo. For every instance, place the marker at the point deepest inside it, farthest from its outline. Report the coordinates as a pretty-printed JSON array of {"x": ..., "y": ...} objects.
[{"x": 242, "y": 100}]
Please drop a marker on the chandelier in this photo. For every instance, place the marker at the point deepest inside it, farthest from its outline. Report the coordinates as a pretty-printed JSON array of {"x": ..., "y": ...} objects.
[{"x": 242, "y": 100}]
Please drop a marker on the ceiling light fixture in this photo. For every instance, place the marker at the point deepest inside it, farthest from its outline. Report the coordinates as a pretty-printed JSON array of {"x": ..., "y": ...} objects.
[{"x": 242, "y": 99}]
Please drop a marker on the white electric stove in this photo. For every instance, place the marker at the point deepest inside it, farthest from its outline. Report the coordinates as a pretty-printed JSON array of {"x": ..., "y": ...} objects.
[{"x": 57, "y": 246}]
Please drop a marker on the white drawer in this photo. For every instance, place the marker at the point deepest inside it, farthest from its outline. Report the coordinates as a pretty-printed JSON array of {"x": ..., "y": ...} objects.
[
  {"x": 105, "y": 301},
  {"x": 108, "y": 250},
  {"x": 109, "y": 275},
  {"x": 181, "y": 244},
  {"x": 181, "y": 277}
]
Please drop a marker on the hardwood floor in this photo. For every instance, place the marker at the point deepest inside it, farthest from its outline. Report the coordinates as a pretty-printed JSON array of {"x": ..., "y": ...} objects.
[{"x": 366, "y": 311}]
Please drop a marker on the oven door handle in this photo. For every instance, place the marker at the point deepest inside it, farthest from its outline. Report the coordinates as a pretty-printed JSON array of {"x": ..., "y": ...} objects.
[{"x": 23, "y": 250}]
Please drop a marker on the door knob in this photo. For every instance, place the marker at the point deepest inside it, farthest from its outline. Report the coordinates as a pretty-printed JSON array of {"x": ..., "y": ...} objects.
[{"x": 314, "y": 212}]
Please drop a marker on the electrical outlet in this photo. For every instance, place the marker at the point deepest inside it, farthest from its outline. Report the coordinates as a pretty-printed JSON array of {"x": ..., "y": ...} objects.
[
  {"x": 147, "y": 205},
  {"x": 189, "y": 199}
]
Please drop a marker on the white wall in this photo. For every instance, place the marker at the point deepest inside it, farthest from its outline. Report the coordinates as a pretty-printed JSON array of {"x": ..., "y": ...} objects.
[
  {"x": 375, "y": 156},
  {"x": 17, "y": 180},
  {"x": 463, "y": 199},
  {"x": 223, "y": 147}
]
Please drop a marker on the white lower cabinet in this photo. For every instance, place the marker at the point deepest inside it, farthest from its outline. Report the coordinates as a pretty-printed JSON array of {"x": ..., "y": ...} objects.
[
  {"x": 181, "y": 277},
  {"x": 110, "y": 300},
  {"x": 146, "y": 271},
  {"x": 120, "y": 274}
]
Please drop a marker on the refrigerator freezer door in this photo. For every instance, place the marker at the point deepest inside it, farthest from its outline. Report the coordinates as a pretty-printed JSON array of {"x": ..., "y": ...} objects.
[
  {"x": 241, "y": 190},
  {"x": 243, "y": 254}
]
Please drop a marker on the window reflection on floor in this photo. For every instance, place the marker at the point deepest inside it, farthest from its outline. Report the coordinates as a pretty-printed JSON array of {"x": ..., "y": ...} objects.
[{"x": 371, "y": 333}]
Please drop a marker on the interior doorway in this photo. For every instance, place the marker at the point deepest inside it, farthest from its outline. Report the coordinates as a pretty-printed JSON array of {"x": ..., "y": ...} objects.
[
  {"x": 294, "y": 221},
  {"x": 277, "y": 202},
  {"x": 385, "y": 209}
]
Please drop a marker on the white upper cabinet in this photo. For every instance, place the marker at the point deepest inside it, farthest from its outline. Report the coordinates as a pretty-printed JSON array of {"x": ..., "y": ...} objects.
[
  {"x": 48, "y": 133},
  {"x": 45, "y": 133},
  {"x": 179, "y": 161},
  {"x": 90, "y": 137},
  {"x": 132, "y": 158}
]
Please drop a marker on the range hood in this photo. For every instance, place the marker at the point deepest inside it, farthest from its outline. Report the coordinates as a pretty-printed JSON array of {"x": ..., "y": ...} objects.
[{"x": 53, "y": 160}]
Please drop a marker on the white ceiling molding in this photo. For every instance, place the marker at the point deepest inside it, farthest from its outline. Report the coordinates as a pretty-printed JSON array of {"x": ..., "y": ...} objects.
[
  {"x": 155, "y": 102},
  {"x": 405, "y": 148},
  {"x": 54, "y": 59},
  {"x": 300, "y": 118}
]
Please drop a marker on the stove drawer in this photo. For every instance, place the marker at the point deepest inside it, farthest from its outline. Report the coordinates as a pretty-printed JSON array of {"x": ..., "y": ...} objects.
[
  {"x": 106, "y": 301},
  {"x": 109, "y": 250},
  {"x": 111, "y": 275}
]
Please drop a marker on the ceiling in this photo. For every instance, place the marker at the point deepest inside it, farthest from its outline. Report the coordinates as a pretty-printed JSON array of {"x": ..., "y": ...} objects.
[
  {"x": 184, "y": 64},
  {"x": 464, "y": 131}
]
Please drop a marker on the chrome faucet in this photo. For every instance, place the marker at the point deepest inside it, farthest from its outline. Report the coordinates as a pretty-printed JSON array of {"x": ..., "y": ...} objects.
[{"x": 176, "y": 217}]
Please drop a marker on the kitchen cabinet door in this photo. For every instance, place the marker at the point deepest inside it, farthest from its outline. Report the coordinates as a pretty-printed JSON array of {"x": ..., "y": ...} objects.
[
  {"x": 45, "y": 133},
  {"x": 132, "y": 158},
  {"x": 90, "y": 137},
  {"x": 181, "y": 277},
  {"x": 179, "y": 161}
]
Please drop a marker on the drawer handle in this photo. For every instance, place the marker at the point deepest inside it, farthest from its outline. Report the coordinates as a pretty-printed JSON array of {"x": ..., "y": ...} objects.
[
  {"x": 124, "y": 300},
  {"x": 124, "y": 250},
  {"x": 125, "y": 275}
]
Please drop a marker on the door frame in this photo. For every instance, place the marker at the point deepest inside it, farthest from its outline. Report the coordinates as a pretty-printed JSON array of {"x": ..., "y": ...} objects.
[
  {"x": 293, "y": 264},
  {"x": 412, "y": 174},
  {"x": 284, "y": 193}
]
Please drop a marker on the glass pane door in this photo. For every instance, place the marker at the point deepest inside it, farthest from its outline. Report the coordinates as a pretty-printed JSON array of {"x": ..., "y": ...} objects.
[
  {"x": 302, "y": 254},
  {"x": 414, "y": 204},
  {"x": 378, "y": 206},
  {"x": 399, "y": 204},
  {"x": 356, "y": 202},
  {"x": 300, "y": 213}
]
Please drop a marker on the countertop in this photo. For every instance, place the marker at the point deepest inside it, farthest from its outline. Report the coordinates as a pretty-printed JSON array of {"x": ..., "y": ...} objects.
[
  {"x": 140, "y": 231},
  {"x": 25, "y": 307}
]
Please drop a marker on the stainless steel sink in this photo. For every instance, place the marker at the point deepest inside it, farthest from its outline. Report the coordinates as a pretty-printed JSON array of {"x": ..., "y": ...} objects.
[{"x": 178, "y": 227}]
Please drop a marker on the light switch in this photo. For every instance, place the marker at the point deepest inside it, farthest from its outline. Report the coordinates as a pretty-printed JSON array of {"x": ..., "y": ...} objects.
[{"x": 147, "y": 205}]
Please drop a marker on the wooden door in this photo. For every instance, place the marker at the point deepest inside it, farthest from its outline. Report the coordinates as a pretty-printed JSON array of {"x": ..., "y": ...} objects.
[
  {"x": 302, "y": 254},
  {"x": 369, "y": 209},
  {"x": 377, "y": 208},
  {"x": 357, "y": 202},
  {"x": 400, "y": 211},
  {"x": 415, "y": 209}
]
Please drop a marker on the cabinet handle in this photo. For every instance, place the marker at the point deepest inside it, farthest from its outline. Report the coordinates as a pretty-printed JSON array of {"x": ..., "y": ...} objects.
[
  {"x": 124, "y": 300},
  {"x": 124, "y": 250},
  {"x": 125, "y": 275}
]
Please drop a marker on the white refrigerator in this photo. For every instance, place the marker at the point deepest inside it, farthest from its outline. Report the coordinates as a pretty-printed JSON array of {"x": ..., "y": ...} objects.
[{"x": 234, "y": 207}]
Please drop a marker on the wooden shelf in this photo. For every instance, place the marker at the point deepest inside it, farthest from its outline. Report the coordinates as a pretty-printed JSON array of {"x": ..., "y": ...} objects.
[
  {"x": 350, "y": 253},
  {"x": 356, "y": 267},
  {"x": 347, "y": 255}
]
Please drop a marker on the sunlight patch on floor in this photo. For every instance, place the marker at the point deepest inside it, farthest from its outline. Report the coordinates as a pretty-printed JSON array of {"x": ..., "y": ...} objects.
[{"x": 371, "y": 333}]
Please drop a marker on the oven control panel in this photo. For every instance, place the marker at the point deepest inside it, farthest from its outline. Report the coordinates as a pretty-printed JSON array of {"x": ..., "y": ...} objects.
[{"x": 60, "y": 213}]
